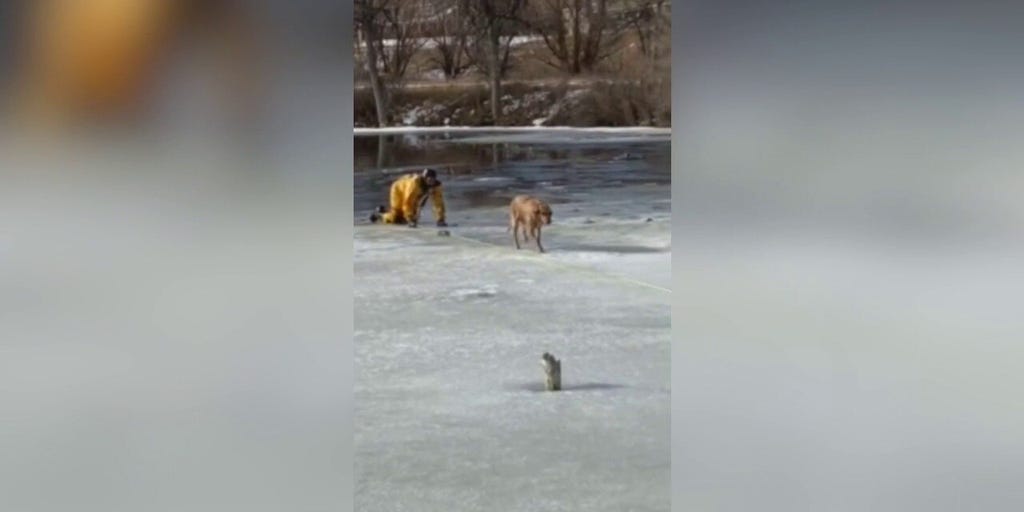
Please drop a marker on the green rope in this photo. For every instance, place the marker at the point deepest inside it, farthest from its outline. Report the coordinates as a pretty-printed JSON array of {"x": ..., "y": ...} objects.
[{"x": 540, "y": 258}]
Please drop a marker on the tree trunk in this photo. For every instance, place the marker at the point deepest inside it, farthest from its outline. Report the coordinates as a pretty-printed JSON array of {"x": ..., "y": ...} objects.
[
  {"x": 595, "y": 31},
  {"x": 379, "y": 95},
  {"x": 577, "y": 37},
  {"x": 381, "y": 150},
  {"x": 495, "y": 69}
]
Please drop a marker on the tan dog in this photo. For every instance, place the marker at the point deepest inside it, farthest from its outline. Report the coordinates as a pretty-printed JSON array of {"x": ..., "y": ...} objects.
[{"x": 529, "y": 214}]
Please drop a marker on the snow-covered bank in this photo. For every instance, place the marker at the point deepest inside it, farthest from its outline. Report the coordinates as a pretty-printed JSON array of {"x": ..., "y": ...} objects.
[
  {"x": 644, "y": 130},
  {"x": 583, "y": 103},
  {"x": 430, "y": 43}
]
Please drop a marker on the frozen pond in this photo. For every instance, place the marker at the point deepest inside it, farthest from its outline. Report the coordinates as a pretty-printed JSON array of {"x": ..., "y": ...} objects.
[
  {"x": 611, "y": 200},
  {"x": 449, "y": 330}
]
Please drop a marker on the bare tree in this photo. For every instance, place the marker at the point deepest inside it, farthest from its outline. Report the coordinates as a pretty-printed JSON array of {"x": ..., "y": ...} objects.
[
  {"x": 480, "y": 56},
  {"x": 385, "y": 31},
  {"x": 369, "y": 22},
  {"x": 648, "y": 19},
  {"x": 400, "y": 40},
  {"x": 492, "y": 21},
  {"x": 578, "y": 33},
  {"x": 645, "y": 95},
  {"x": 451, "y": 39}
]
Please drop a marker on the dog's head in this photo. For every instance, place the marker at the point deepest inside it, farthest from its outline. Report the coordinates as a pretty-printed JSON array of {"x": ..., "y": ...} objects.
[{"x": 544, "y": 212}]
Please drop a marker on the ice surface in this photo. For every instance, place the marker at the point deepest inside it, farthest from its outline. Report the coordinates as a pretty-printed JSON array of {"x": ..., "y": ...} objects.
[
  {"x": 450, "y": 408},
  {"x": 569, "y": 137}
]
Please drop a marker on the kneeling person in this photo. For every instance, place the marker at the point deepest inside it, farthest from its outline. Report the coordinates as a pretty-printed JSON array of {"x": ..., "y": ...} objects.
[{"x": 408, "y": 196}]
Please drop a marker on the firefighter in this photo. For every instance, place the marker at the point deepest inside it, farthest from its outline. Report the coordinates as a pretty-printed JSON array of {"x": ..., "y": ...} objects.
[{"x": 408, "y": 196}]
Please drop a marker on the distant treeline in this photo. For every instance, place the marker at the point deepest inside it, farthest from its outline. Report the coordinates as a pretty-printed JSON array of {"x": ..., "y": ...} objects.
[{"x": 489, "y": 38}]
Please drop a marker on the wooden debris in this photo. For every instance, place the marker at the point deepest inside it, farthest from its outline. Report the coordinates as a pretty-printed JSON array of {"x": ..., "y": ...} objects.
[{"x": 552, "y": 371}]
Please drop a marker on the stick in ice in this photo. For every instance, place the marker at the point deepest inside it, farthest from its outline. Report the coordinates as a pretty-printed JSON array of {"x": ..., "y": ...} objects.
[{"x": 553, "y": 372}]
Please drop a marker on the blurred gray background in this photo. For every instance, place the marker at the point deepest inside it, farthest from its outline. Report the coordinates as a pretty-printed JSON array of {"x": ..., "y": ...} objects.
[
  {"x": 848, "y": 246},
  {"x": 175, "y": 320}
]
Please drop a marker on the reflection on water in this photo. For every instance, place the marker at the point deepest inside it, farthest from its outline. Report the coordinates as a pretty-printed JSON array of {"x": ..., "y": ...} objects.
[{"x": 479, "y": 172}]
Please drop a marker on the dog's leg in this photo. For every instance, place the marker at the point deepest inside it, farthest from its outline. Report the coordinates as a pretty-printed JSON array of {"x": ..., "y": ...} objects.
[
  {"x": 515, "y": 233},
  {"x": 539, "y": 247}
]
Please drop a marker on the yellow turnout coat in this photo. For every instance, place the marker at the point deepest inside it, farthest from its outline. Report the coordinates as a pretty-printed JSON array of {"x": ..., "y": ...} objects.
[{"x": 409, "y": 194}]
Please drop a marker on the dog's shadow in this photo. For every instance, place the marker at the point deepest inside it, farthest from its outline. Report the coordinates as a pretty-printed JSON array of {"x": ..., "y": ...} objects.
[{"x": 538, "y": 387}]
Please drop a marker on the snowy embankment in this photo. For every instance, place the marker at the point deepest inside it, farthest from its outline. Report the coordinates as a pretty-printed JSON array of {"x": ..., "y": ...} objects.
[
  {"x": 430, "y": 43},
  {"x": 644, "y": 130},
  {"x": 543, "y": 104}
]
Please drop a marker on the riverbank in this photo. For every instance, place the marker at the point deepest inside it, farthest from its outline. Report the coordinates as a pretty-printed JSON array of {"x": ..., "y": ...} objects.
[{"x": 578, "y": 103}]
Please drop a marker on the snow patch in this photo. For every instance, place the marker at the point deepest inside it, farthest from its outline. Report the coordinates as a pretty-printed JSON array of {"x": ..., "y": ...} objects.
[
  {"x": 484, "y": 292},
  {"x": 639, "y": 130}
]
